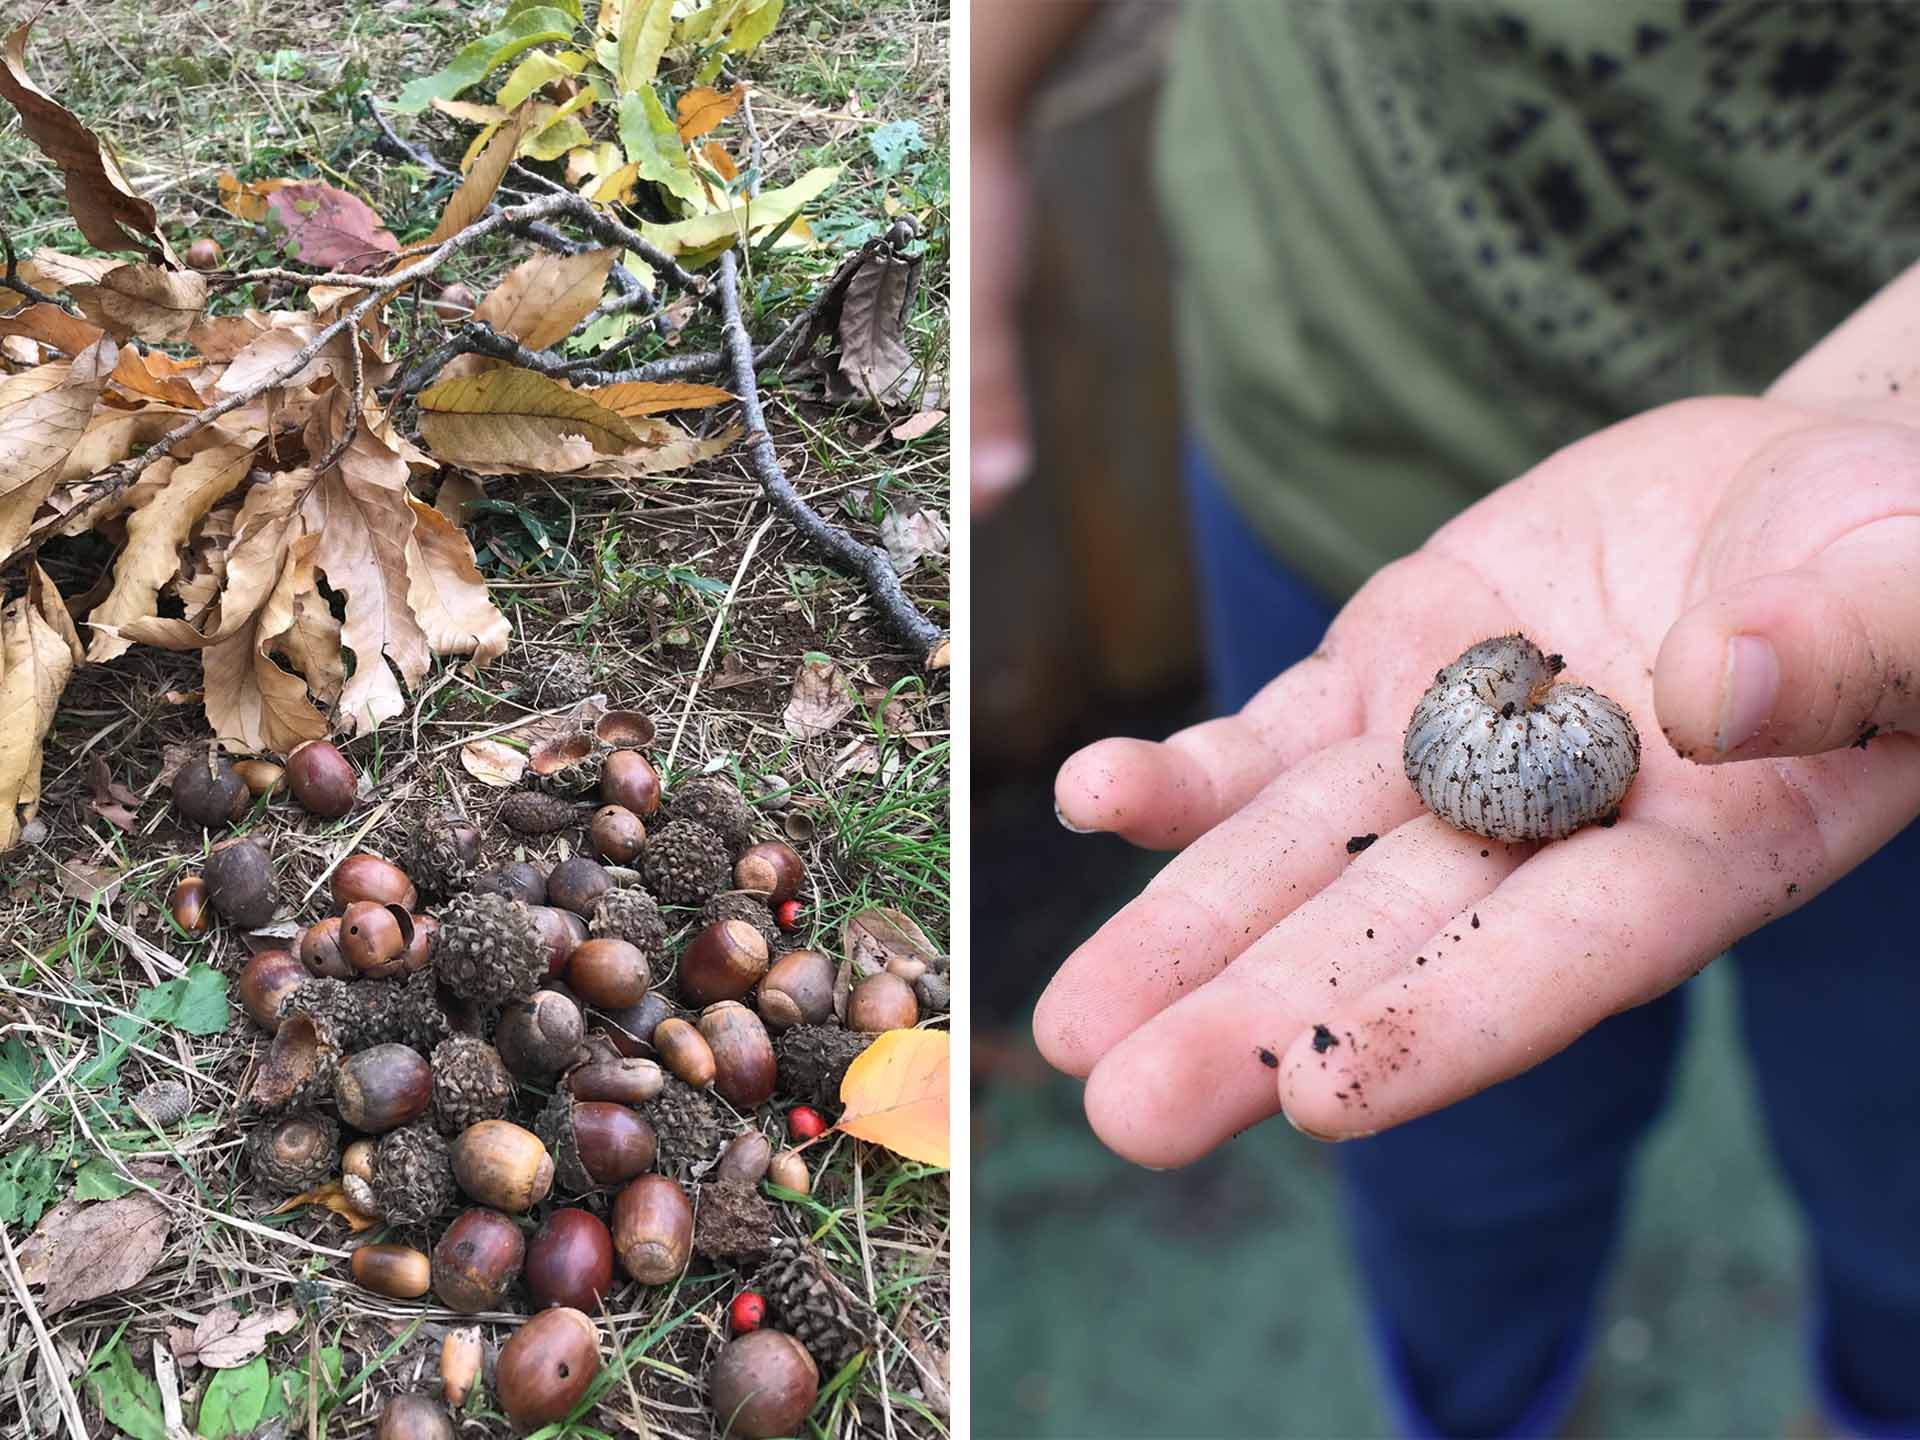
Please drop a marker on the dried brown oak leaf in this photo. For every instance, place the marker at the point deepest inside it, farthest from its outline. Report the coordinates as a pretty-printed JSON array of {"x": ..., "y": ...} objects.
[
  {"x": 539, "y": 301},
  {"x": 820, "y": 700},
  {"x": 81, "y": 1252},
  {"x": 225, "y": 1339}
]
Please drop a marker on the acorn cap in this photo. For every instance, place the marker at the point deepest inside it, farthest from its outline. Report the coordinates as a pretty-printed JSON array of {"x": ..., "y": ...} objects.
[
  {"x": 568, "y": 677},
  {"x": 488, "y": 948},
  {"x": 745, "y": 905},
  {"x": 446, "y": 856},
  {"x": 685, "y": 863},
  {"x": 634, "y": 916},
  {"x": 162, "y": 1103},
  {"x": 734, "y": 1224},
  {"x": 813, "y": 1059},
  {"x": 413, "y": 1175},
  {"x": 418, "y": 1011},
  {"x": 532, "y": 813},
  {"x": 554, "y": 1126},
  {"x": 715, "y": 802},
  {"x": 292, "y": 1169},
  {"x": 813, "y": 1305},
  {"x": 470, "y": 1084},
  {"x": 692, "y": 1128},
  {"x": 298, "y": 1070}
]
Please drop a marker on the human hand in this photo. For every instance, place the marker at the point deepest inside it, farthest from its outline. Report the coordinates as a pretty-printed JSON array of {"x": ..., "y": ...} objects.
[
  {"x": 1001, "y": 451},
  {"x": 1266, "y": 969}
]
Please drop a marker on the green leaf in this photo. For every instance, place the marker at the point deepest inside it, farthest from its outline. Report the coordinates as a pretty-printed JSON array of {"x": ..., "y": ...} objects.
[
  {"x": 19, "y": 1073},
  {"x": 29, "y": 1183},
  {"x": 893, "y": 142},
  {"x": 540, "y": 68},
  {"x": 534, "y": 25},
  {"x": 130, "y": 1399},
  {"x": 236, "y": 1401},
  {"x": 652, "y": 143},
  {"x": 571, "y": 7},
  {"x": 97, "y": 1180},
  {"x": 755, "y": 23},
  {"x": 196, "y": 1002},
  {"x": 287, "y": 1395},
  {"x": 644, "y": 31},
  {"x": 701, "y": 235}
]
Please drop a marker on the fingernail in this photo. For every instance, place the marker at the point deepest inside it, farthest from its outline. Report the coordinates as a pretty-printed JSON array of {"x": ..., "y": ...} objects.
[
  {"x": 1325, "y": 1139},
  {"x": 1748, "y": 692},
  {"x": 1066, "y": 824},
  {"x": 998, "y": 466}
]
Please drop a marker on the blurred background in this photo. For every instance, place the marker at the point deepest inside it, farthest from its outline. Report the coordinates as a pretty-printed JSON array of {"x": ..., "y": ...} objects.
[{"x": 1217, "y": 1301}]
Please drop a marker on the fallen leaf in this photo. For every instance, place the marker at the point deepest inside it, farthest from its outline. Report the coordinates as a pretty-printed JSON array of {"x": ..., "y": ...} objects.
[
  {"x": 38, "y": 650},
  {"x": 81, "y": 1252},
  {"x": 335, "y": 1199},
  {"x": 914, "y": 426},
  {"x": 910, "y": 537},
  {"x": 226, "y": 1339},
  {"x": 44, "y": 415},
  {"x": 456, "y": 496},
  {"x": 112, "y": 801},
  {"x": 476, "y": 192},
  {"x": 703, "y": 107},
  {"x": 88, "y": 883},
  {"x": 156, "y": 375},
  {"x": 51, "y": 325},
  {"x": 144, "y": 302},
  {"x": 328, "y": 228},
  {"x": 820, "y": 700},
  {"x": 248, "y": 199},
  {"x": 879, "y": 935},
  {"x": 492, "y": 763},
  {"x": 856, "y": 757},
  {"x": 895, "y": 1094},
  {"x": 539, "y": 301},
  {"x": 656, "y": 397},
  {"x": 512, "y": 416},
  {"x": 61, "y": 270},
  {"x": 446, "y": 591},
  {"x": 874, "y": 362}
]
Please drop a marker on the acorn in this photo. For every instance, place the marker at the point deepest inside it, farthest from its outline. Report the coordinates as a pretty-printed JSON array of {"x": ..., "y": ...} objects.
[
  {"x": 470, "y": 1084},
  {"x": 747, "y": 906},
  {"x": 540, "y": 1036},
  {"x": 500, "y": 1164},
  {"x": 609, "y": 973},
  {"x": 743, "y": 1063},
  {"x": 882, "y": 1001},
  {"x": 745, "y": 1159},
  {"x": 560, "y": 931},
  {"x": 797, "y": 990},
  {"x": 628, "y": 780},
  {"x": 320, "y": 950},
  {"x": 685, "y": 863},
  {"x": 375, "y": 938},
  {"x": 715, "y": 802},
  {"x": 762, "y": 1385},
  {"x": 262, "y": 777},
  {"x": 653, "y": 1229},
  {"x": 723, "y": 962},
  {"x": 240, "y": 882},
  {"x": 294, "y": 1153},
  {"x": 623, "y": 1081},
  {"x": 460, "y": 1362},
  {"x": 412, "y": 1176},
  {"x": 519, "y": 880},
  {"x": 788, "y": 1170},
  {"x": 397, "y": 1271},
  {"x": 268, "y": 979},
  {"x": 454, "y": 302},
  {"x": 187, "y": 905},
  {"x": 413, "y": 1417},
  {"x": 631, "y": 1030},
  {"x": 322, "y": 779},
  {"x": 547, "y": 1366},
  {"x": 204, "y": 254},
  {"x": 366, "y": 876},
  {"x": 478, "y": 1258},
  {"x": 632, "y": 915},
  {"x": 207, "y": 792},
  {"x": 616, "y": 834},
  {"x": 570, "y": 1261},
  {"x": 684, "y": 1051},
  {"x": 356, "y": 1177},
  {"x": 594, "y": 1142},
  {"x": 532, "y": 813},
  {"x": 771, "y": 868},
  {"x": 577, "y": 885},
  {"x": 419, "y": 953},
  {"x": 382, "y": 1088},
  {"x": 934, "y": 992}
]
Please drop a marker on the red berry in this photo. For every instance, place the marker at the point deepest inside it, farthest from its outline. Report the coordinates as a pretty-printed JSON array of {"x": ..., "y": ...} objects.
[
  {"x": 788, "y": 914},
  {"x": 747, "y": 1312},
  {"x": 804, "y": 1122}
]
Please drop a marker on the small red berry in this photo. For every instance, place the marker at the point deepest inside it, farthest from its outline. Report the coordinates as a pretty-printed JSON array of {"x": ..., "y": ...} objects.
[
  {"x": 804, "y": 1122},
  {"x": 747, "y": 1312},
  {"x": 788, "y": 914}
]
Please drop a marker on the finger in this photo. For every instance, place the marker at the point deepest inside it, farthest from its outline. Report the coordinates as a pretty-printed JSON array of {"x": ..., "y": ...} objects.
[
  {"x": 1225, "y": 891},
  {"x": 1592, "y": 925},
  {"x": 1162, "y": 795},
  {"x": 1207, "y": 1067},
  {"x": 1810, "y": 659}
]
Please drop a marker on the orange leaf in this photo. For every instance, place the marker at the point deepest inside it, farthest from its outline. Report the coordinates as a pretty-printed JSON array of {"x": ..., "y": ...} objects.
[
  {"x": 249, "y": 200},
  {"x": 895, "y": 1095},
  {"x": 634, "y": 398},
  {"x": 335, "y": 1199},
  {"x": 701, "y": 109}
]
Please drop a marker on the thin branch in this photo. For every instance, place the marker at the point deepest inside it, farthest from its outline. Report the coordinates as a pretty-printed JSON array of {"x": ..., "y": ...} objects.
[
  {"x": 873, "y": 567},
  {"x": 14, "y": 282}
]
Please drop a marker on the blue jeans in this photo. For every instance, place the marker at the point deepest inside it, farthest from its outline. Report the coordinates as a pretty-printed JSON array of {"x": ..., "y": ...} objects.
[{"x": 1482, "y": 1231}]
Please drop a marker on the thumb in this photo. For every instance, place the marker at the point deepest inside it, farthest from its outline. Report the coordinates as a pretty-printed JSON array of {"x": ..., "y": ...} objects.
[{"x": 1804, "y": 660}]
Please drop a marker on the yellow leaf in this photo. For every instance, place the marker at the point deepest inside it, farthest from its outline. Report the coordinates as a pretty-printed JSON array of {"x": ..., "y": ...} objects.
[
  {"x": 616, "y": 186},
  {"x": 38, "y": 650},
  {"x": 335, "y": 1199},
  {"x": 650, "y": 397},
  {"x": 44, "y": 415},
  {"x": 704, "y": 107},
  {"x": 895, "y": 1094},
  {"x": 510, "y": 416},
  {"x": 471, "y": 111},
  {"x": 539, "y": 68},
  {"x": 645, "y": 28},
  {"x": 249, "y": 200},
  {"x": 144, "y": 302},
  {"x": 539, "y": 301},
  {"x": 446, "y": 591},
  {"x": 723, "y": 227},
  {"x": 470, "y": 201}
]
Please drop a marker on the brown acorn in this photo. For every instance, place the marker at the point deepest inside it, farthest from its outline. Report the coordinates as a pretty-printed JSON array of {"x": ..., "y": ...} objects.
[
  {"x": 547, "y": 1366},
  {"x": 460, "y": 1361},
  {"x": 797, "y": 990},
  {"x": 502, "y": 1165},
  {"x": 577, "y": 885},
  {"x": 788, "y": 1170},
  {"x": 617, "y": 834},
  {"x": 519, "y": 880},
  {"x": 204, "y": 254},
  {"x": 562, "y": 931},
  {"x": 629, "y": 780},
  {"x": 319, "y": 950},
  {"x": 745, "y": 1159},
  {"x": 207, "y": 792},
  {"x": 419, "y": 954},
  {"x": 684, "y": 1051},
  {"x": 723, "y": 962},
  {"x": 623, "y": 1081},
  {"x": 187, "y": 905},
  {"x": 763, "y": 1384},
  {"x": 653, "y": 1229},
  {"x": 322, "y": 779},
  {"x": 478, "y": 1258},
  {"x": 239, "y": 880},
  {"x": 269, "y": 978},
  {"x": 541, "y": 1036},
  {"x": 882, "y": 1001},
  {"x": 631, "y": 1030},
  {"x": 398, "y": 1271},
  {"x": 595, "y": 1142},
  {"x": 772, "y": 868},
  {"x": 383, "y": 1088},
  {"x": 375, "y": 938},
  {"x": 743, "y": 1063},
  {"x": 262, "y": 777},
  {"x": 454, "y": 302},
  {"x": 570, "y": 1262},
  {"x": 413, "y": 1417},
  {"x": 366, "y": 876},
  {"x": 609, "y": 973}
]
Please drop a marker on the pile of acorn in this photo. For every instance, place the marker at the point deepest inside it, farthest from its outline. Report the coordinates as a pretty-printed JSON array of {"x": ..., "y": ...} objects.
[{"x": 505, "y": 1038}]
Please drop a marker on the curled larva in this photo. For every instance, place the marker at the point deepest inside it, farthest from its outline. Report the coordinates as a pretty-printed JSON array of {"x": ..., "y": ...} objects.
[{"x": 1498, "y": 748}]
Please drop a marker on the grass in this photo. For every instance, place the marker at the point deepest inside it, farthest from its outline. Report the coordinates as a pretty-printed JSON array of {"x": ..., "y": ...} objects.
[{"x": 101, "y": 995}]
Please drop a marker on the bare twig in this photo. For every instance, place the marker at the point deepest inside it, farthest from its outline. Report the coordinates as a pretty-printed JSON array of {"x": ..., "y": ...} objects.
[
  {"x": 873, "y": 567},
  {"x": 14, "y": 282},
  {"x": 352, "y": 428}
]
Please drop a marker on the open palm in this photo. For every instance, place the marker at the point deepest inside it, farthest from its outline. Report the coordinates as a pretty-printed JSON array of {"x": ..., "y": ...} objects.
[{"x": 1267, "y": 968}]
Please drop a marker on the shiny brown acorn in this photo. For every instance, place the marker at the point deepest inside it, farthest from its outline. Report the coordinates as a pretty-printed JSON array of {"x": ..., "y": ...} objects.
[
  {"x": 366, "y": 876},
  {"x": 398, "y": 1271},
  {"x": 723, "y": 962},
  {"x": 547, "y": 1366},
  {"x": 772, "y": 868},
  {"x": 322, "y": 779},
  {"x": 478, "y": 1258},
  {"x": 629, "y": 780},
  {"x": 502, "y": 1165},
  {"x": 570, "y": 1261},
  {"x": 653, "y": 1229},
  {"x": 797, "y": 990},
  {"x": 684, "y": 1051},
  {"x": 269, "y": 978},
  {"x": 382, "y": 1088},
  {"x": 609, "y": 972},
  {"x": 743, "y": 1061}
]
